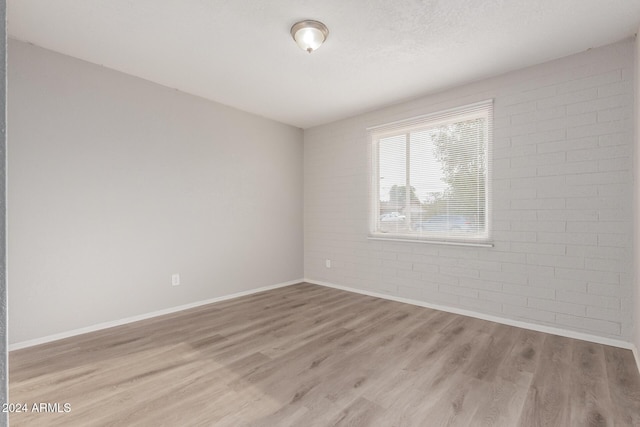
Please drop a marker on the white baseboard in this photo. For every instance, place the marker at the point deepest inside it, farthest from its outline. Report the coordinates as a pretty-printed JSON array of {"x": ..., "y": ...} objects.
[
  {"x": 497, "y": 319},
  {"x": 105, "y": 325},
  {"x": 510, "y": 322}
]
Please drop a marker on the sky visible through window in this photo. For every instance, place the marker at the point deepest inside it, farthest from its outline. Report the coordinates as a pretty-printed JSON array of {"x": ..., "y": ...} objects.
[{"x": 426, "y": 170}]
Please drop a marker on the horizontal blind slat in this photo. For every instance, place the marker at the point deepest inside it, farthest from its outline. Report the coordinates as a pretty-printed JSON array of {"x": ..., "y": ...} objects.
[{"x": 423, "y": 120}]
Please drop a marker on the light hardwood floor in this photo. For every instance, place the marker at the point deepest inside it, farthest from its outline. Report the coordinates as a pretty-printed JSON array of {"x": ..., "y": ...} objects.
[{"x": 307, "y": 355}]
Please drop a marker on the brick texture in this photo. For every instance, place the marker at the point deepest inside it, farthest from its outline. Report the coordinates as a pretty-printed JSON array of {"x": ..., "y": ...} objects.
[{"x": 562, "y": 201}]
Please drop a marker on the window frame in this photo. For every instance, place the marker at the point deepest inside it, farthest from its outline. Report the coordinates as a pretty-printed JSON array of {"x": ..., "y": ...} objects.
[{"x": 417, "y": 124}]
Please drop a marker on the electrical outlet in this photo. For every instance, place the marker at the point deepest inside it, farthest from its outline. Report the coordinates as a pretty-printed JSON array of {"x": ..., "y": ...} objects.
[
  {"x": 327, "y": 263},
  {"x": 175, "y": 279}
]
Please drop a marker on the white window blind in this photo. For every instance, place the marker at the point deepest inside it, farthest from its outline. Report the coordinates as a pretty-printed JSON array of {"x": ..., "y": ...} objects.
[{"x": 430, "y": 176}]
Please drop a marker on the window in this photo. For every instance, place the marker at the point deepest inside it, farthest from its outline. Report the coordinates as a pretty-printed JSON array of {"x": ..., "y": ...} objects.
[{"x": 430, "y": 177}]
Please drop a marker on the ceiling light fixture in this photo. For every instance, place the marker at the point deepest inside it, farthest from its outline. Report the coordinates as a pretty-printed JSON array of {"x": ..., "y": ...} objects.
[{"x": 309, "y": 34}]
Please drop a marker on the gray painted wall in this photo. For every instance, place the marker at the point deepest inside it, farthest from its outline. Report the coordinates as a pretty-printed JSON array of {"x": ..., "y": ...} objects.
[
  {"x": 116, "y": 183},
  {"x": 562, "y": 202}
]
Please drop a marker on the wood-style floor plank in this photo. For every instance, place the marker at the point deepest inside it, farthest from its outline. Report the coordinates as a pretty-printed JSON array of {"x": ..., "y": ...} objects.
[{"x": 307, "y": 355}]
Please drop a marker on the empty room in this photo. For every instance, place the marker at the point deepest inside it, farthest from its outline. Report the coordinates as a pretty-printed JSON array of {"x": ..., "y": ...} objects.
[{"x": 296, "y": 213}]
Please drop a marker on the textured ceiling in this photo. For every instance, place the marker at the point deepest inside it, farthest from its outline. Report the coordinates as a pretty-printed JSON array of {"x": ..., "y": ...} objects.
[{"x": 379, "y": 52}]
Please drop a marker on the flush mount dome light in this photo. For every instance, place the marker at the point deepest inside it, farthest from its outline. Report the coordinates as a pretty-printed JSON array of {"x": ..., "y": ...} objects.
[{"x": 309, "y": 34}]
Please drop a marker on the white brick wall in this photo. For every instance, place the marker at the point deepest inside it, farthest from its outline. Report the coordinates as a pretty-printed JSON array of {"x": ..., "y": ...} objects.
[{"x": 562, "y": 201}]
